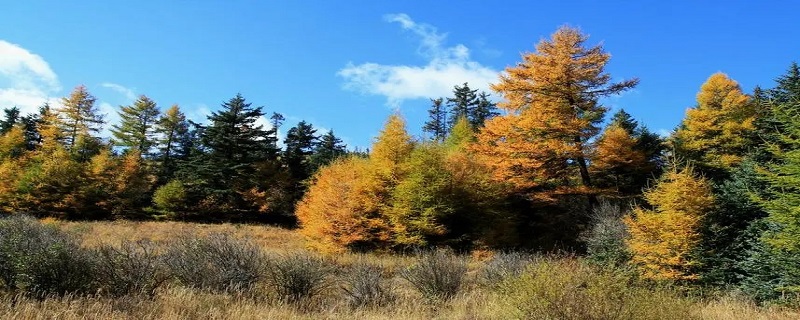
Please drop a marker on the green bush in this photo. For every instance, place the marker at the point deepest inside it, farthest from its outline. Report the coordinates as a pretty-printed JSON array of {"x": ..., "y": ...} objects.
[
  {"x": 170, "y": 197},
  {"x": 131, "y": 268},
  {"x": 217, "y": 262},
  {"x": 42, "y": 260},
  {"x": 298, "y": 276},
  {"x": 567, "y": 288},
  {"x": 437, "y": 275}
]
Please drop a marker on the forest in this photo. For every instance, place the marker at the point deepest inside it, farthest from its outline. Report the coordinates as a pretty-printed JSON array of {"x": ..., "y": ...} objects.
[{"x": 539, "y": 164}]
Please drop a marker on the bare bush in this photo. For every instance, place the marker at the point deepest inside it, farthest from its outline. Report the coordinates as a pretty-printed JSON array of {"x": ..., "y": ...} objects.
[
  {"x": 134, "y": 267},
  {"x": 437, "y": 275},
  {"x": 42, "y": 260},
  {"x": 298, "y": 276},
  {"x": 504, "y": 265},
  {"x": 217, "y": 262},
  {"x": 365, "y": 286}
]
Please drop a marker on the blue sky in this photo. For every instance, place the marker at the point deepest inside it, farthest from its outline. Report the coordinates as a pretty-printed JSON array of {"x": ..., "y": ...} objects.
[{"x": 346, "y": 65}]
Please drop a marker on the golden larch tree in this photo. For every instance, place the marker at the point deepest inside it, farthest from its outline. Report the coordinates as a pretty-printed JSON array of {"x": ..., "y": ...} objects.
[
  {"x": 339, "y": 211},
  {"x": 663, "y": 240},
  {"x": 551, "y": 109},
  {"x": 616, "y": 157},
  {"x": 715, "y": 133}
]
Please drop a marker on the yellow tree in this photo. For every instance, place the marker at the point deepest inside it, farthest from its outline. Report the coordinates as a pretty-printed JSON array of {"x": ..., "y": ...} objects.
[
  {"x": 339, "y": 210},
  {"x": 388, "y": 158},
  {"x": 663, "y": 239},
  {"x": 715, "y": 133},
  {"x": 551, "y": 109},
  {"x": 616, "y": 158}
]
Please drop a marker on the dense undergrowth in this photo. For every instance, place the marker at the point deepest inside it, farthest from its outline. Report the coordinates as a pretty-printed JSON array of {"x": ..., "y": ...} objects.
[{"x": 47, "y": 271}]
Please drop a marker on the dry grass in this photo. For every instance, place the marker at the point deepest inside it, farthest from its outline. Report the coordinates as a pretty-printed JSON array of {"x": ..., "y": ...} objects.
[
  {"x": 474, "y": 301},
  {"x": 97, "y": 233}
]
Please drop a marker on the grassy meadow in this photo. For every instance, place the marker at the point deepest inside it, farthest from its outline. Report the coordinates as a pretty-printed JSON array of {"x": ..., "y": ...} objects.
[{"x": 425, "y": 285}]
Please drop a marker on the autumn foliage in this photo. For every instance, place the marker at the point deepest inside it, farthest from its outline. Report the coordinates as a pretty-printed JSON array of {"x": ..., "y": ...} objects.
[
  {"x": 664, "y": 239},
  {"x": 551, "y": 107}
]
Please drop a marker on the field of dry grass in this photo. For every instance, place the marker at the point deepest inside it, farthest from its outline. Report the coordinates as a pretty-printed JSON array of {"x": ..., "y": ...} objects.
[{"x": 475, "y": 300}]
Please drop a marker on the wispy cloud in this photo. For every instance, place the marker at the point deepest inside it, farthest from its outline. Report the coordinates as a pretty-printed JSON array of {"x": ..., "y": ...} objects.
[
  {"x": 129, "y": 93},
  {"x": 445, "y": 68},
  {"x": 26, "y": 79}
]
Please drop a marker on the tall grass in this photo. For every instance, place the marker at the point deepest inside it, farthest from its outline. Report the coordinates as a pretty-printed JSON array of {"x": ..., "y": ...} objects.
[{"x": 258, "y": 280}]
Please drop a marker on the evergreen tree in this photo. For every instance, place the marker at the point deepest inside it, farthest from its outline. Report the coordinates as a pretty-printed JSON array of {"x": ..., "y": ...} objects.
[
  {"x": 223, "y": 165},
  {"x": 300, "y": 142},
  {"x": 484, "y": 110},
  {"x": 726, "y": 240},
  {"x": 276, "y": 119},
  {"x": 328, "y": 149},
  {"x": 437, "y": 120},
  {"x": 462, "y": 104},
  {"x": 31, "y": 123},
  {"x": 10, "y": 120},
  {"x": 788, "y": 86},
  {"x": 137, "y": 126}
]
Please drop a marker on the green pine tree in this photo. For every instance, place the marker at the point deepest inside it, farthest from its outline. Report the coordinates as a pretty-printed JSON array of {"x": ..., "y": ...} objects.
[{"x": 136, "y": 128}]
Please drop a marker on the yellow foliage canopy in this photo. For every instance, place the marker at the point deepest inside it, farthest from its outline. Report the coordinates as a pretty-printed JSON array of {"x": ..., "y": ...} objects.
[
  {"x": 615, "y": 155},
  {"x": 663, "y": 239},
  {"x": 339, "y": 210},
  {"x": 715, "y": 132},
  {"x": 552, "y": 110}
]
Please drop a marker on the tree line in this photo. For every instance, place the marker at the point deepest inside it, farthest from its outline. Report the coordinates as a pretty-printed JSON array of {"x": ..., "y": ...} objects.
[
  {"x": 157, "y": 163},
  {"x": 715, "y": 203}
]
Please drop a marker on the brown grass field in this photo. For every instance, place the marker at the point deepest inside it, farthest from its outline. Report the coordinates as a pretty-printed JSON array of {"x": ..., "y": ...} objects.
[{"x": 474, "y": 300}]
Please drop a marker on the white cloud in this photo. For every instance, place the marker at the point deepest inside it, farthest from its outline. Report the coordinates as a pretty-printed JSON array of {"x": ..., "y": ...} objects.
[
  {"x": 127, "y": 92},
  {"x": 445, "y": 68},
  {"x": 199, "y": 113},
  {"x": 26, "y": 80}
]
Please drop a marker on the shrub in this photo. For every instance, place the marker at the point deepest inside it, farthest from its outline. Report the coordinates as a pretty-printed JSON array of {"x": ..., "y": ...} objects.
[
  {"x": 298, "y": 276},
  {"x": 567, "y": 288},
  {"x": 217, "y": 262},
  {"x": 504, "y": 265},
  {"x": 42, "y": 260},
  {"x": 605, "y": 240},
  {"x": 437, "y": 275},
  {"x": 132, "y": 268},
  {"x": 365, "y": 286},
  {"x": 170, "y": 197}
]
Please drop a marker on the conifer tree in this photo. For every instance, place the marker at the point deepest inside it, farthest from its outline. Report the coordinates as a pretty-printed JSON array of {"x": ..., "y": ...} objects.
[
  {"x": 664, "y": 240},
  {"x": 484, "y": 110},
  {"x": 11, "y": 117},
  {"x": 174, "y": 141},
  {"x": 617, "y": 159},
  {"x": 391, "y": 149},
  {"x": 137, "y": 126},
  {"x": 328, "y": 149},
  {"x": 232, "y": 145},
  {"x": 551, "y": 100},
  {"x": 340, "y": 212},
  {"x": 462, "y": 104},
  {"x": 79, "y": 117},
  {"x": 715, "y": 134},
  {"x": 437, "y": 120},
  {"x": 300, "y": 141}
]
